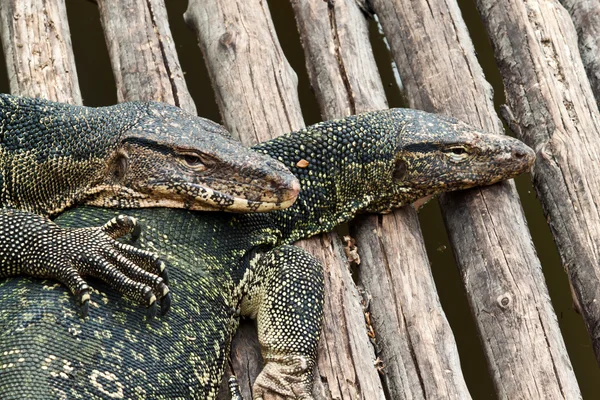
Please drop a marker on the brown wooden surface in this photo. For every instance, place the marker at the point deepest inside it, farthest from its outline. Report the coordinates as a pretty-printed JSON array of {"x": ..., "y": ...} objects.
[
  {"x": 555, "y": 113},
  {"x": 257, "y": 95},
  {"x": 586, "y": 17},
  {"x": 37, "y": 48},
  {"x": 142, "y": 52},
  {"x": 418, "y": 355},
  {"x": 502, "y": 275}
]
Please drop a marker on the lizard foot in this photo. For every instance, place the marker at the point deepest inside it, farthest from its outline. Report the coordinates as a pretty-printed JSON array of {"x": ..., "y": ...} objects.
[
  {"x": 68, "y": 255},
  {"x": 284, "y": 377}
]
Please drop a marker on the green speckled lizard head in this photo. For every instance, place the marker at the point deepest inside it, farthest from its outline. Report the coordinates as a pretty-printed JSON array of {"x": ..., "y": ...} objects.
[
  {"x": 169, "y": 158},
  {"x": 130, "y": 155},
  {"x": 437, "y": 154},
  {"x": 384, "y": 159}
]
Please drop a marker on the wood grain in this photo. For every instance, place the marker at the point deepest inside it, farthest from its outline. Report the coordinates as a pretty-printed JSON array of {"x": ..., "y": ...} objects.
[
  {"x": 554, "y": 111},
  {"x": 487, "y": 229},
  {"x": 418, "y": 355},
  {"x": 142, "y": 52},
  {"x": 586, "y": 17},
  {"x": 36, "y": 41}
]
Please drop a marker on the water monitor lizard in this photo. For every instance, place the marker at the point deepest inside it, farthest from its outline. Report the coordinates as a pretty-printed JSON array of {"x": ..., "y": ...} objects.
[
  {"x": 224, "y": 266},
  {"x": 134, "y": 154}
]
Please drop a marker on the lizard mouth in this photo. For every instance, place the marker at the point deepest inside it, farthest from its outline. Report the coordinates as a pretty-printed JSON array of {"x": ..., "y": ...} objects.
[{"x": 249, "y": 198}]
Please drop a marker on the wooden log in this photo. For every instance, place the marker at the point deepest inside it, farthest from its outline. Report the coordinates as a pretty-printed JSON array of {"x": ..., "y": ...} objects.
[
  {"x": 256, "y": 92},
  {"x": 142, "y": 52},
  {"x": 555, "y": 113},
  {"x": 418, "y": 355},
  {"x": 37, "y": 47},
  {"x": 586, "y": 17},
  {"x": 502, "y": 275}
]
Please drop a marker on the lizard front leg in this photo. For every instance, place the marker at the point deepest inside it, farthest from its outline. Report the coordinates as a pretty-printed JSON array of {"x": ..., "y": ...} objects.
[
  {"x": 33, "y": 245},
  {"x": 285, "y": 295}
]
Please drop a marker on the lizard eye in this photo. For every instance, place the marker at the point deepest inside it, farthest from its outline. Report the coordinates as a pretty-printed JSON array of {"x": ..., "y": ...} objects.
[
  {"x": 193, "y": 161},
  {"x": 457, "y": 153}
]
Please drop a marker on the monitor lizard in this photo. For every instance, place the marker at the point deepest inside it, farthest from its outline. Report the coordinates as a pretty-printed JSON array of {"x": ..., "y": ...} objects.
[
  {"x": 227, "y": 266},
  {"x": 131, "y": 155}
]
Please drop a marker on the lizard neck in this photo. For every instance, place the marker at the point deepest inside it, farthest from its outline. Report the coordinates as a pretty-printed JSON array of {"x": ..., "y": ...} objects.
[
  {"x": 340, "y": 164},
  {"x": 52, "y": 153}
]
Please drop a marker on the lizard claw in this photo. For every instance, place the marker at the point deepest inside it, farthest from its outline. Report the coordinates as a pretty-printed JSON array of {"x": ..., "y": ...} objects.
[
  {"x": 84, "y": 308},
  {"x": 164, "y": 274},
  {"x": 68, "y": 255},
  {"x": 165, "y": 304},
  {"x": 151, "y": 311},
  {"x": 83, "y": 297},
  {"x": 150, "y": 300}
]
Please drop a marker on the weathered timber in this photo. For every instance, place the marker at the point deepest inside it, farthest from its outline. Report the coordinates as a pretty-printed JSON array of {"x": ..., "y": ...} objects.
[
  {"x": 555, "y": 113},
  {"x": 487, "y": 229},
  {"x": 256, "y": 92},
  {"x": 586, "y": 17},
  {"x": 142, "y": 52},
  {"x": 418, "y": 355},
  {"x": 37, "y": 47}
]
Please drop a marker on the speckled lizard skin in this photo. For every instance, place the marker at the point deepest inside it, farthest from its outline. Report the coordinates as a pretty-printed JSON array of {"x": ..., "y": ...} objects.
[
  {"x": 223, "y": 266},
  {"x": 131, "y": 155}
]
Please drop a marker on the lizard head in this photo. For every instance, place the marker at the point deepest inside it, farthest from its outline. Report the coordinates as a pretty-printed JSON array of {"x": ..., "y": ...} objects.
[
  {"x": 437, "y": 154},
  {"x": 169, "y": 158}
]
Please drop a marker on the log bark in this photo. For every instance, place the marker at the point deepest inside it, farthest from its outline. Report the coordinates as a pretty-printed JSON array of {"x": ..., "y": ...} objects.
[
  {"x": 37, "y": 47},
  {"x": 487, "y": 229},
  {"x": 418, "y": 355},
  {"x": 586, "y": 17},
  {"x": 554, "y": 111},
  {"x": 256, "y": 92},
  {"x": 142, "y": 52}
]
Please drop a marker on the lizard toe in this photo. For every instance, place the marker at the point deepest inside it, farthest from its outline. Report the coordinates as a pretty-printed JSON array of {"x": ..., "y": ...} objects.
[
  {"x": 120, "y": 226},
  {"x": 143, "y": 258},
  {"x": 284, "y": 377}
]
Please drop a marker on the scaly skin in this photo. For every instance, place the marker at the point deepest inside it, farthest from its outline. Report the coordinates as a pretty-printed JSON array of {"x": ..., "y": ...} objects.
[
  {"x": 130, "y": 155},
  {"x": 223, "y": 266}
]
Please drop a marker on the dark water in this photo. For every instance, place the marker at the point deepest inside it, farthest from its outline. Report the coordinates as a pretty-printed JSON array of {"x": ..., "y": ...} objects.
[{"x": 98, "y": 88}]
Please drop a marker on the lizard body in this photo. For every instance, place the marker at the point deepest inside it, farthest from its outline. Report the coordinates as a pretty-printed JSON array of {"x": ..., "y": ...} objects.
[
  {"x": 131, "y": 155},
  {"x": 224, "y": 266}
]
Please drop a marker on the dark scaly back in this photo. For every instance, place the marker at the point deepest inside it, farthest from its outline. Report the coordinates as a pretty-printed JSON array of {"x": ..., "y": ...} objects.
[
  {"x": 116, "y": 352},
  {"x": 50, "y": 151}
]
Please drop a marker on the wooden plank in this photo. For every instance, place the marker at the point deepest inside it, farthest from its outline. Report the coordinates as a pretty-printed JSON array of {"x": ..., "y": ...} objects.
[
  {"x": 419, "y": 355},
  {"x": 586, "y": 17},
  {"x": 500, "y": 270},
  {"x": 256, "y": 92},
  {"x": 555, "y": 113},
  {"x": 37, "y": 47},
  {"x": 142, "y": 52}
]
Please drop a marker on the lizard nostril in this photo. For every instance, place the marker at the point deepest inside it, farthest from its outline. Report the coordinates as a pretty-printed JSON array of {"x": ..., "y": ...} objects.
[{"x": 519, "y": 153}]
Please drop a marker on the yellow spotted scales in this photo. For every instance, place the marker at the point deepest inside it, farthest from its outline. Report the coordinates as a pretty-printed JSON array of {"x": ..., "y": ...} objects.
[
  {"x": 131, "y": 155},
  {"x": 223, "y": 266}
]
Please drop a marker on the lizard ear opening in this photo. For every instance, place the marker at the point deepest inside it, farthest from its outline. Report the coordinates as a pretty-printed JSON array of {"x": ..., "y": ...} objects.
[
  {"x": 400, "y": 170},
  {"x": 120, "y": 165}
]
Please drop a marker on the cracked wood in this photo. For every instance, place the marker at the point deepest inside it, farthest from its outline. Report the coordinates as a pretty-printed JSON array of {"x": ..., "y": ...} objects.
[
  {"x": 416, "y": 353},
  {"x": 487, "y": 229},
  {"x": 535, "y": 44}
]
